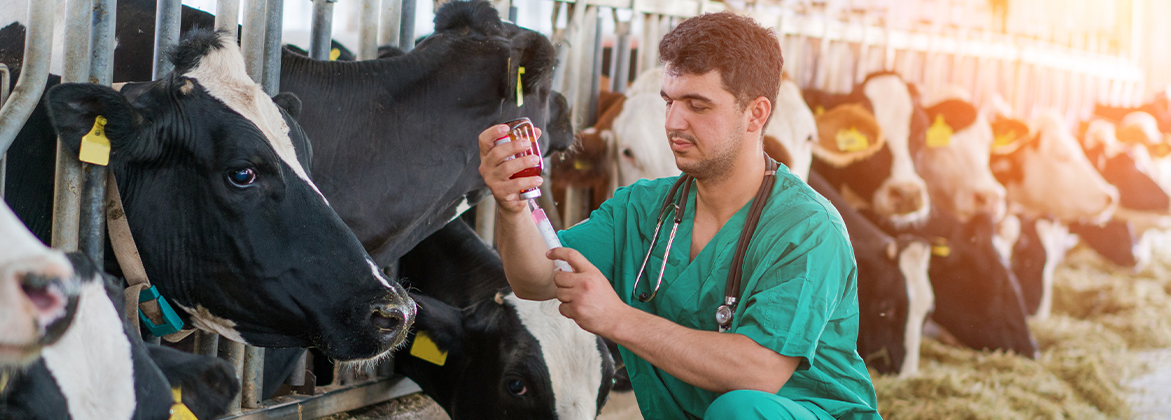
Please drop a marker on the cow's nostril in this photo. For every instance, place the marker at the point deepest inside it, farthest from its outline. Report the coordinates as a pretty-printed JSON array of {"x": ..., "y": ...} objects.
[
  {"x": 386, "y": 319},
  {"x": 41, "y": 291}
]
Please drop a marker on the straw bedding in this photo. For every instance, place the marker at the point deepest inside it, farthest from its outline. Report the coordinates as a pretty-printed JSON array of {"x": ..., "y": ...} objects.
[{"x": 1102, "y": 315}]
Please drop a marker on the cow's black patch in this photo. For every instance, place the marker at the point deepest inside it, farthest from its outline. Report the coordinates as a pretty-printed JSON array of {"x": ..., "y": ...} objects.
[
  {"x": 479, "y": 16},
  {"x": 197, "y": 43}
]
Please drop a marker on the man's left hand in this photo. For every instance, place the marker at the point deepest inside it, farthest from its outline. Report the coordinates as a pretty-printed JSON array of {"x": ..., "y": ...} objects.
[{"x": 586, "y": 295}]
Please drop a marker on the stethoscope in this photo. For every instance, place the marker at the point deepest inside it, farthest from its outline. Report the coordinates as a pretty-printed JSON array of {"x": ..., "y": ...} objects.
[{"x": 679, "y": 206}]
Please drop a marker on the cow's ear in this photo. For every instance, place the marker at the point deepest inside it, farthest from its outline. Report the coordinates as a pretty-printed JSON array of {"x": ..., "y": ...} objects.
[
  {"x": 442, "y": 322},
  {"x": 289, "y": 102},
  {"x": 956, "y": 113},
  {"x": 532, "y": 51},
  {"x": 847, "y": 134},
  {"x": 74, "y": 108}
]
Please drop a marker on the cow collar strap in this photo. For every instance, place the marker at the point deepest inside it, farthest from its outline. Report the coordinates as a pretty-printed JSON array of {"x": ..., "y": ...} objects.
[{"x": 143, "y": 302}]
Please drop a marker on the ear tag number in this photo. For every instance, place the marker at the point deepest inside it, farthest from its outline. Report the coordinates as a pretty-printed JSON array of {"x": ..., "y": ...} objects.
[
  {"x": 939, "y": 134},
  {"x": 520, "y": 90},
  {"x": 851, "y": 140},
  {"x": 170, "y": 322},
  {"x": 95, "y": 146},
  {"x": 426, "y": 349},
  {"x": 179, "y": 411},
  {"x": 334, "y": 54}
]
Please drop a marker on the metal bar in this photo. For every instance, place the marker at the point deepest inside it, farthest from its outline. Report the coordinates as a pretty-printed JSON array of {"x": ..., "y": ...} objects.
[
  {"x": 92, "y": 223},
  {"x": 207, "y": 343},
  {"x": 272, "y": 46},
  {"x": 512, "y": 12},
  {"x": 252, "y": 383},
  {"x": 67, "y": 175},
  {"x": 233, "y": 352},
  {"x": 332, "y": 401},
  {"x": 486, "y": 221},
  {"x": 5, "y": 80},
  {"x": 620, "y": 72},
  {"x": 595, "y": 74},
  {"x": 298, "y": 376},
  {"x": 406, "y": 34},
  {"x": 252, "y": 39},
  {"x": 167, "y": 13},
  {"x": 320, "y": 33},
  {"x": 648, "y": 51},
  {"x": 391, "y": 20},
  {"x": 227, "y": 17},
  {"x": 581, "y": 82},
  {"x": 367, "y": 29}
]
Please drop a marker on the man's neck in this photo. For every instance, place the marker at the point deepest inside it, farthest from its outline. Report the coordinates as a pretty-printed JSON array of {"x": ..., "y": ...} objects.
[{"x": 721, "y": 197}]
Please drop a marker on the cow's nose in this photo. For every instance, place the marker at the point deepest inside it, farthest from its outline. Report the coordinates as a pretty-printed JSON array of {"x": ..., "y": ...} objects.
[
  {"x": 44, "y": 293},
  {"x": 988, "y": 201},
  {"x": 386, "y": 317},
  {"x": 907, "y": 198}
]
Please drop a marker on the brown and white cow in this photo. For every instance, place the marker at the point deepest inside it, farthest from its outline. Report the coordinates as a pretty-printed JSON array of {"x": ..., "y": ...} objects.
[{"x": 954, "y": 161}]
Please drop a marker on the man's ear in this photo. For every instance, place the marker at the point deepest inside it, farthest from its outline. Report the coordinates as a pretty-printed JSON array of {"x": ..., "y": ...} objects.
[
  {"x": 441, "y": 321},
  {"x": 760, "y": 108},
  {"x": 73, "y": 108}
]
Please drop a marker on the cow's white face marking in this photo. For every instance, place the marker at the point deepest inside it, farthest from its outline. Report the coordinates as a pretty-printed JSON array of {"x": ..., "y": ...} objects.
[
  {"x": 378, "y": 274},
  {"x": 21, "y": 322},
  {"x": 1008, "y": 231},
  {"x": 91, "y": 362},
  {"x": 640, "y": 139},
  {"x": 1058, "y": 179},
  {"x": 893, "y": 109},
  {"x": 571, "y": 355},
  {"x": 462, "y": 207},
  {"x": 221, "y": 72},
  {"x": 793, "y": 124},
  {"x": 913, "y": 263},
  {"x": 958, "y": 174},
  {"x": 204, "y": 320},
  {"x": 1055, "y": 239}
]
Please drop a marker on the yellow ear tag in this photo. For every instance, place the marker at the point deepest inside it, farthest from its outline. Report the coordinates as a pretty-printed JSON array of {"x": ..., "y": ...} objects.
[
  {"x": 581, "y": 165},
  {"x": 179, "y": 411},
  {"x": 1005, "y": 139},
  {"x": 426, "y": 349},
  {"x": 520, "y": 91},
  {"x": 851, "y": 140},
  {"x": 334, "y": 54},
  {"x": 95, "y": 146},
  {"x": 939, "y": 134},
  {"x": 818, "y": 110},
  {"x": 940, "y": 250}
]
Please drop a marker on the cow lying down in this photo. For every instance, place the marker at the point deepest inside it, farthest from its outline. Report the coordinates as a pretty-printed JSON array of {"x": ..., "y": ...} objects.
[
  {"x": 65, "y": 351},
  {"x": 502, "y": 357}
]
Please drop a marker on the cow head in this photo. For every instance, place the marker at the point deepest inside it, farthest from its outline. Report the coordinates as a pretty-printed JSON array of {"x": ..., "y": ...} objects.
[
  {"x": 590, "y": 163},
  {"x": 229, "y": 226},
  {"x": 954, "y": 161},
  {"x": 641, "y": 140},
  {"x": 794, "y": 127},
  {"x": 1048, "y": 173},
  {"x": 509, "y": 358},
  {"x": 894, "y": 295},
  {"x": 1126, "y": 167},
  {"x": 38, "y": 293},
  {"x": 885, "y": 181},
  {"x": 977, "y": 297}
]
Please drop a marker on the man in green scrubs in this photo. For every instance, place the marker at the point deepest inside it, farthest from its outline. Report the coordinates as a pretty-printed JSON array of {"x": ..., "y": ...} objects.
[{"x": 791, "y": 350}]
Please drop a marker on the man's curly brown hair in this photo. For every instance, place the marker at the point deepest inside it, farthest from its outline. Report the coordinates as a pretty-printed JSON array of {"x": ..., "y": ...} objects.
[{"x": 747, "y": 55}]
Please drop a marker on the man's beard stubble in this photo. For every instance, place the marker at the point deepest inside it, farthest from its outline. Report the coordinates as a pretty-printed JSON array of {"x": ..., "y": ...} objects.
[{"x": 717, "y": 164}]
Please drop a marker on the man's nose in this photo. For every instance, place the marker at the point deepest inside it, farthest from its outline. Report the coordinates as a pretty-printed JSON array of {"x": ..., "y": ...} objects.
[{"x": 675, "y": 119}]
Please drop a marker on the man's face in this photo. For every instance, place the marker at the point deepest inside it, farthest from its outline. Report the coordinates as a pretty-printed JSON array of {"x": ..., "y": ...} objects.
[{"x": 705, "y": 127}]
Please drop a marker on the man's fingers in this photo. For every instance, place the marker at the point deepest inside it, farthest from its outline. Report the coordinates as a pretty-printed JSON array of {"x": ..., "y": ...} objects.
[
  {"x": 506, "y": 169},
  {"x": 578, "y": 262},
  {"x": 488, "y": 137}
]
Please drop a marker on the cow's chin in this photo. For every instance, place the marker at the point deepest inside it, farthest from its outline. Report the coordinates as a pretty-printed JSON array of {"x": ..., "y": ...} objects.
[
  {"x": 18, "y": 356},
  {"x": 368, "y": 365},
  {"x": 904, "y": 220}
]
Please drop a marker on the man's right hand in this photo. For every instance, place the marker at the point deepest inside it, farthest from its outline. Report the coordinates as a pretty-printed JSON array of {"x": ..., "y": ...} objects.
[{"x": 496, "y": 170}]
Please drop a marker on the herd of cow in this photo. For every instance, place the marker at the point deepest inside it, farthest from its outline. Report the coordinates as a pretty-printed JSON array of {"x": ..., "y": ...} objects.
[{"x": 271, "y": 220}]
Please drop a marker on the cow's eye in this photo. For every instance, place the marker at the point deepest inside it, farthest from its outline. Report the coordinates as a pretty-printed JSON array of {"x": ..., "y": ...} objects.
[
  {"x": 628, "y": 153},
  {"x": 517, "y": 387},
  {"x": 809, "y": 138},
  {"x": 242, "y": 177}
]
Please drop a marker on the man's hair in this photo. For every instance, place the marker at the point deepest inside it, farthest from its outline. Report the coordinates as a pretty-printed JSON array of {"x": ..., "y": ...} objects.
[{"x": 747, "y": 55}]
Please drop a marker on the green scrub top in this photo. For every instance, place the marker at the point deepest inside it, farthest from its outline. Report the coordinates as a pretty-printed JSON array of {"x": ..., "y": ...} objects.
[{"x": 799, "y": 296}]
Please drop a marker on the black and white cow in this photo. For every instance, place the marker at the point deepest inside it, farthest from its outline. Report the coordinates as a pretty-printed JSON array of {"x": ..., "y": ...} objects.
[
  {"x": 977, "y": 296},
  {"x": 883, "y": 179},
  {"x": 894, "y": 292},
  {"x": 1039, "y": 247},
  {"x": 508, "y": 358},
  {"x": 65, "y": 351},
  {"x": 214, "y": 182},
  {"x": 394, "y": 138}
]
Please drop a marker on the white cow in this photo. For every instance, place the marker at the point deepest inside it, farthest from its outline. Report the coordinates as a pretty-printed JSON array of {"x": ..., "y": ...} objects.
[
  {"x": 956, "y": 171},
  {"x": 36, "y": 285}
]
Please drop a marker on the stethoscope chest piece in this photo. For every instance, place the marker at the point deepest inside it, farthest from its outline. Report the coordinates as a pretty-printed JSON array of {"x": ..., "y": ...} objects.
[{"x": 724, "y": 317}]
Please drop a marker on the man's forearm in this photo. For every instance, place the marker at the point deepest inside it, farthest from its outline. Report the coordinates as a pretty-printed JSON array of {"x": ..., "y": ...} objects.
[
  {"x": 523, "y": 252},
  {"x": 717, "y": 362}
]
